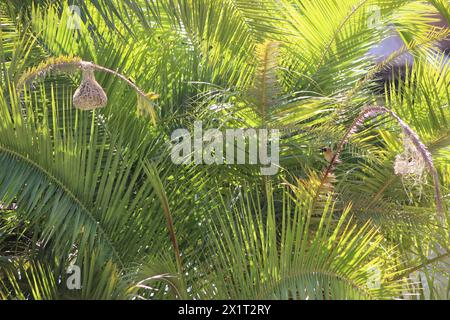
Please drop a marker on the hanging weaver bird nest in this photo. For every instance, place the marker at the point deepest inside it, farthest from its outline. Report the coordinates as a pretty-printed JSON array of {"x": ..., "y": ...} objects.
[
  {"x": 89, "y": 95},
  {"x": 415, "y": 161},
  {"x": 410, "y": 163}
]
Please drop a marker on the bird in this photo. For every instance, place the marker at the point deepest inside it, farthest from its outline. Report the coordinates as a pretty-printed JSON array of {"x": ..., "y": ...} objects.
[{"x": 328, "y": 155}]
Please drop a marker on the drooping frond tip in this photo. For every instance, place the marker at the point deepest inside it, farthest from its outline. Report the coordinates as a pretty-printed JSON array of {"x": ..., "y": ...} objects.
[
  {"x": 146, "y": 106},
  {"x": 63, "y": 64}
]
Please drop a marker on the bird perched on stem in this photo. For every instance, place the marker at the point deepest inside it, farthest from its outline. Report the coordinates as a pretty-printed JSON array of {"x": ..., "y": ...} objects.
[{"x": 328, "y": 155}]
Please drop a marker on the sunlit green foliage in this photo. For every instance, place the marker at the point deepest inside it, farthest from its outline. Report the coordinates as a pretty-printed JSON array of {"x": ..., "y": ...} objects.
[{"x": 98, "y": 189}]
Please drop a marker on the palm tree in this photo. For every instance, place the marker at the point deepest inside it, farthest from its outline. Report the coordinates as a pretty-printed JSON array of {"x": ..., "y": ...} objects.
[{"x": 97, "y": 190}]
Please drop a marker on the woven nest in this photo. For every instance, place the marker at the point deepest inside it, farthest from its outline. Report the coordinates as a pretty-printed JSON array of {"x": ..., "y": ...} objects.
[
  {"x": 410, "y": 163},
  {"x": 89, "y": 95}
]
